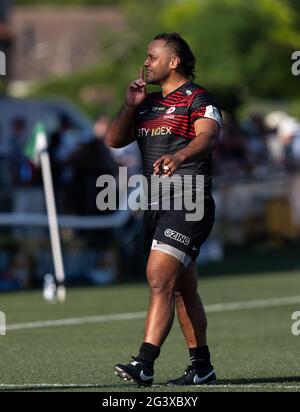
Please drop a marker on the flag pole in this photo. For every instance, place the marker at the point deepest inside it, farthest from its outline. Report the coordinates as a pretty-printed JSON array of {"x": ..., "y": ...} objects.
[{"x": 41, "y": 146}]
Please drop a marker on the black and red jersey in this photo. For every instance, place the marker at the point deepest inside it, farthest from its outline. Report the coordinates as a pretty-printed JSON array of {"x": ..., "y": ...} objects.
[{"x": 164, "y": 125}]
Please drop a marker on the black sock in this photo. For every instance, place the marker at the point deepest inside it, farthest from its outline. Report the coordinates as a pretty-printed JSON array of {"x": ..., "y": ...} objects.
[
  {"x": 200, "y": 357},
  {"x": 149, "y": 353}
]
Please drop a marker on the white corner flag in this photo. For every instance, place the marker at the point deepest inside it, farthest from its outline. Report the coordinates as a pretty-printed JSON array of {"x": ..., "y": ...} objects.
[{"x": 36, "y": 150}]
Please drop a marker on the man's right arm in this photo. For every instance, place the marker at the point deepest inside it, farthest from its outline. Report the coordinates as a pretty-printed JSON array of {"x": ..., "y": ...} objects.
[{"x": 121, "y": 129}]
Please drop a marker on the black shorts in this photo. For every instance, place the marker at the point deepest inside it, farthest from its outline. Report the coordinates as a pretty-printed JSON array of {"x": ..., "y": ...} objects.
[{"x": 170, "y": 227}]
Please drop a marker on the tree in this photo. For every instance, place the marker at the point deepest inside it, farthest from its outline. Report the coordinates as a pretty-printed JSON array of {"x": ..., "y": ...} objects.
[{"x": 243, "y": 47}]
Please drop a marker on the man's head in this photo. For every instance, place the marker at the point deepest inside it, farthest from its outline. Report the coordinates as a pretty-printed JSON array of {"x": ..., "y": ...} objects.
[{"x": 168, "y": 54}]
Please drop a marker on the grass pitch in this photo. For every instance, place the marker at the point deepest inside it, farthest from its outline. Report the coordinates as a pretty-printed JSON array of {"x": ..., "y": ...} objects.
[{"x": 251, "y": 343}]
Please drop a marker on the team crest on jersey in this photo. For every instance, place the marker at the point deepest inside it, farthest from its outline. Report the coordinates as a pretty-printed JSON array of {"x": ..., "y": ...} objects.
[
  {"x": 170, "y": 110},
  {"x": 188, "y": 92}
]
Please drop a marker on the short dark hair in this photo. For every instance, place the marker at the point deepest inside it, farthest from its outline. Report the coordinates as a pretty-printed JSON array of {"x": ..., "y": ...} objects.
[{"x": 183, "y": 51}]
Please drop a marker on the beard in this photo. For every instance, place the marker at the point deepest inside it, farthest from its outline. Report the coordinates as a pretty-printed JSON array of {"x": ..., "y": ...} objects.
[
  {"x": 150, "y": 79},
  {"x": 156, "y": 79}
]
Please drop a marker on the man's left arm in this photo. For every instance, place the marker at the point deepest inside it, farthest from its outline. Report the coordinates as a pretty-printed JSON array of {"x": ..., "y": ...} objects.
[{"x": 207, "y": 133}]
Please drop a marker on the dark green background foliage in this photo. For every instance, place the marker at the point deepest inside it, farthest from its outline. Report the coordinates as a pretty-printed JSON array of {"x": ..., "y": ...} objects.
[{"x": 243, "y": 49}]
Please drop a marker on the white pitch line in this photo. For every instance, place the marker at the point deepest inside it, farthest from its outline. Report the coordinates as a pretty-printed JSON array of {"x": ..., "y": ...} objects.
[
  {"x": 50, "y": 385},
  {"x": 254, "y": 385},
  {"x": 253, "y": 304},
  {"x": 76, "y": 321},
  {"x": 218, "y": 307}
]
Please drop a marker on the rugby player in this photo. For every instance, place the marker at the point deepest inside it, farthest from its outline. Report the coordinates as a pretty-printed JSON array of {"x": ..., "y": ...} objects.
[{"x": 176, "y": 129}]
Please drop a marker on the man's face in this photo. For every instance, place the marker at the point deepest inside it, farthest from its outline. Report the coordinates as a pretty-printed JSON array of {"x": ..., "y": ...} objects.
[{"x": 159, "y": 62}]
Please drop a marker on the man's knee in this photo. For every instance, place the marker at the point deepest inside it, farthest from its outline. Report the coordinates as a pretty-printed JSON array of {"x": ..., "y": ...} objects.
[
  {"x": 160, "y": 280},
  {"x": 162, "y": 272}
]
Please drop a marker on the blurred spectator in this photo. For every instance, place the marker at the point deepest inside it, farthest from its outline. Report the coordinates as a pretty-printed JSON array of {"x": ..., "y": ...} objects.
[
  {"x": 5, "y": 164},
  {"x": 89, "y": 161},
  {"x": 128, "y": 156},
  {"x": 296, "y": 145},
  {"x": 100, "y": 126},
  {"x": 19, "y": 271},
  {"x": 231, "y": 157},
  {"x": 63, "y": 142},
  {"x": 21, "y": 170},
  {"x": 256, "y": 132},
  {"x": 129, "y": 235},
  {"x": 283, "y": 144},
  {"x": 68, "y": 138}
]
